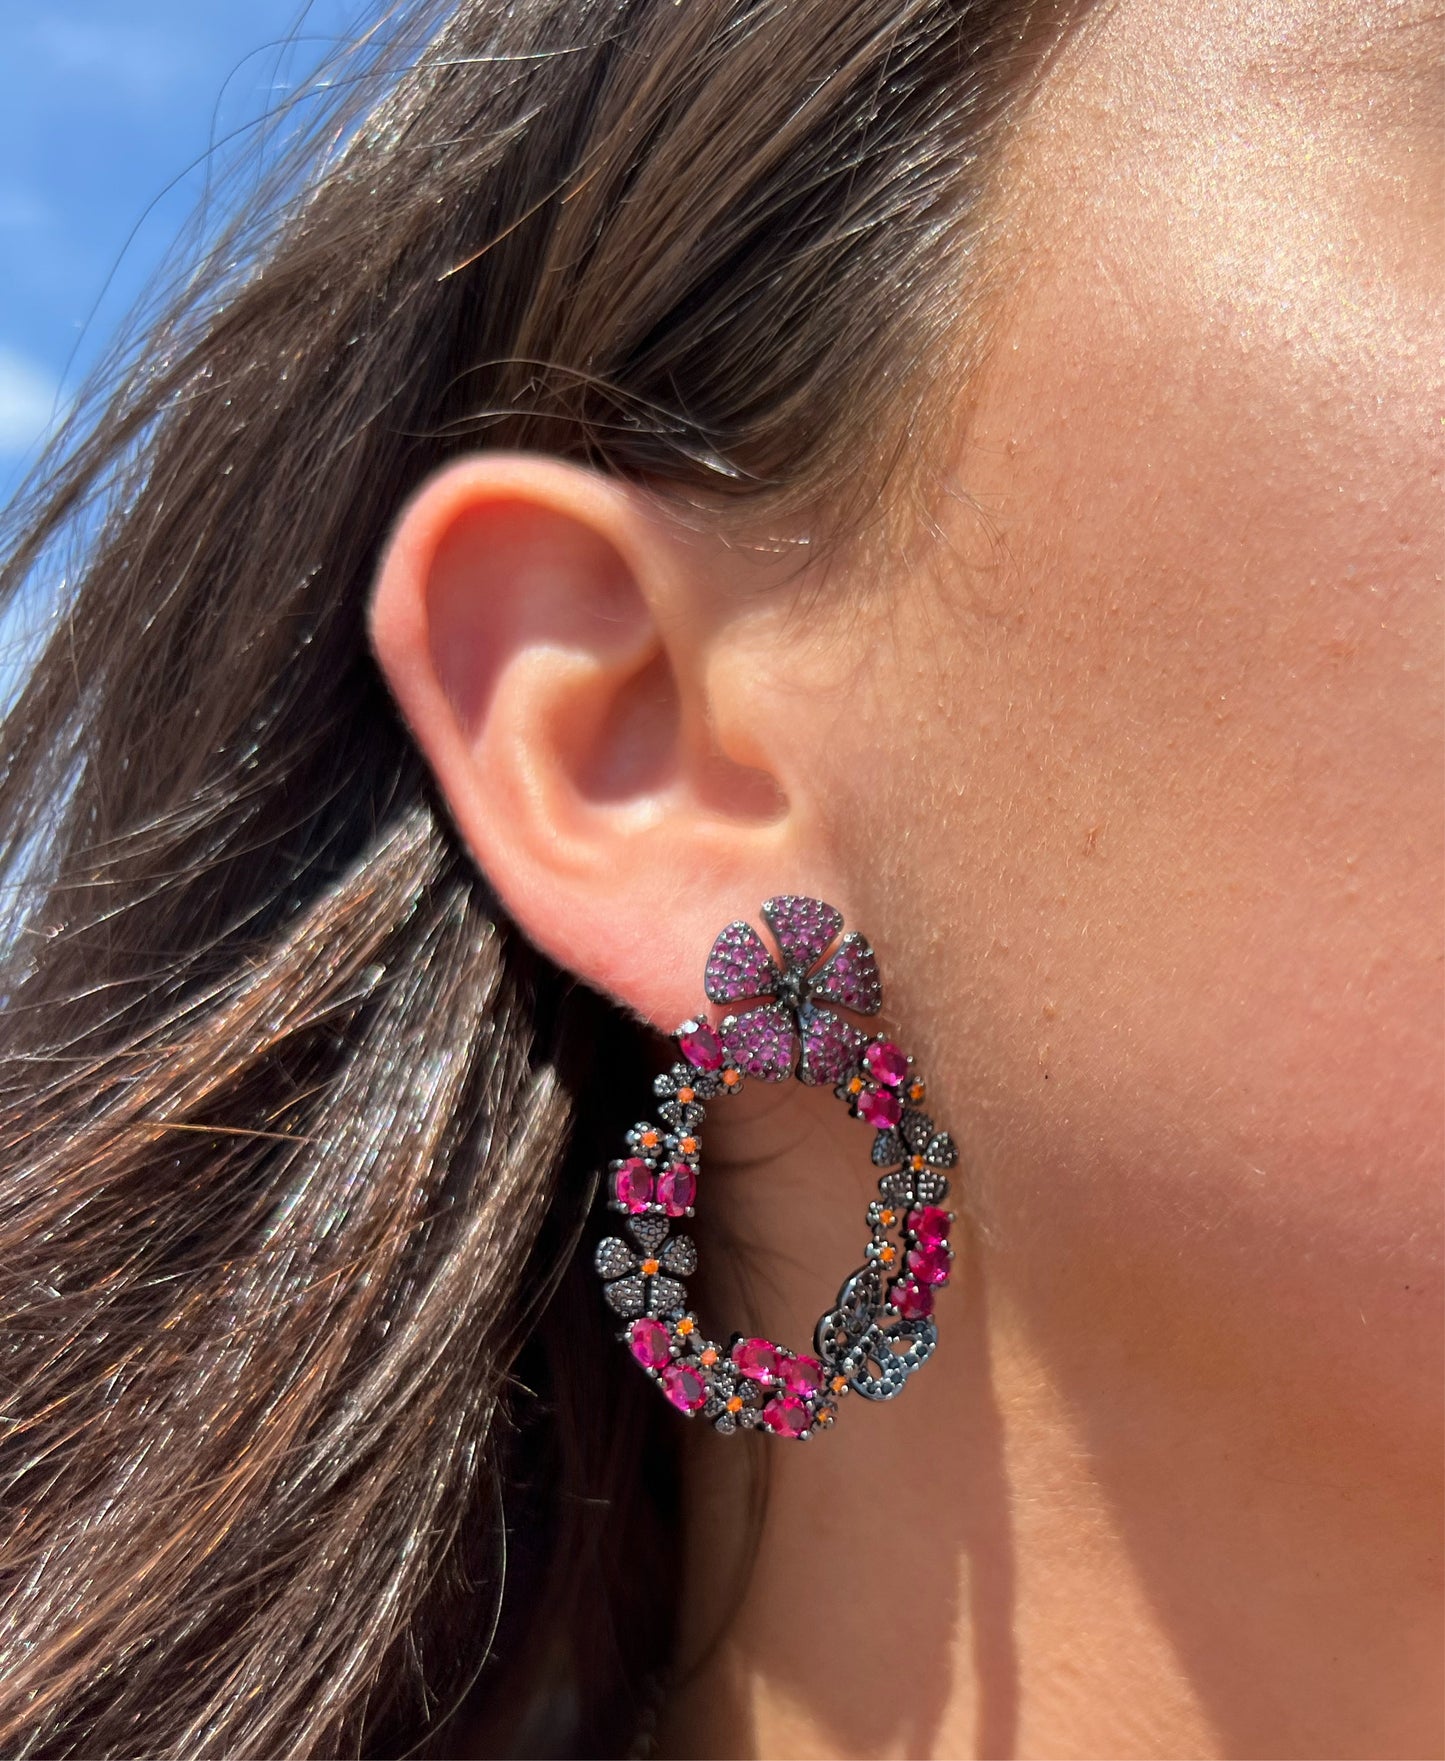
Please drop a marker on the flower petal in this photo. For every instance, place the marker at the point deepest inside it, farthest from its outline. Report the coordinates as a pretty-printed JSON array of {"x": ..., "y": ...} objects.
[
  {"x": 648, "y": 1232},
  {"x": 762, "y": 1042},
  {"x": 897, "y": 1189},
  {"x": 830, "y": 1046},
  {"x": 917, "y": 1129},
  {"x": 850, "y": 977},
  {"x": 665, "y": 1295},
  {"x": 905, "y": 1189},
  {"x": 703, "y": 1083},
  {"x": 627, "y": 1295},
  {"x": 942, "y": 1151},
  {"x": 804, "y": 927},
  {"x": 739, "y": 966},
  {"x": 685, "y": 1117},
  {"x": 614, "y": 1257},
  {"x": 888, "y": 1148},
  {"x": 680, "y": 1256}
]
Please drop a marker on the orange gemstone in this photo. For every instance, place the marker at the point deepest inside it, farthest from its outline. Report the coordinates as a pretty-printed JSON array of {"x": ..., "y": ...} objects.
[
  {"x": 887, "y": 1219},
  {"x": 708, "y": 1357},
  {"x": 650, "y": 1268},
  {"x": 685, "y": 1095},
  {"x": 731, "y": 1078},
  {"x": 688, "y": 1146},
  {"x": 838, "y": 1384},
  {"x": 685, "y": 1325},
  {"x": 649, "y": 1140},
  {"x": 917, "y": 1164},
  {"x": 916, "y": 1091},
  {"x": 888, "y": 1254},
  {"x": 855, "y": 1087},
  {"x": 736, "y": 1403}
]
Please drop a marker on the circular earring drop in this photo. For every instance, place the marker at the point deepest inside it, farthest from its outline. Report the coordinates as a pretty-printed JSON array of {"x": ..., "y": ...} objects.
[{"x": 881, "y": 1327}]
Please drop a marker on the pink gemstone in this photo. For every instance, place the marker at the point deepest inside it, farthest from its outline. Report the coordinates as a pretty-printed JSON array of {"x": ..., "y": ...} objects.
[
  {"x": 786, "y": 1415},
  {"x": 633, "y": 1184},
  {"x": 649, "y": 1343},
  {"x": 804, "y": 927},
  {"x": 701, "y": 1046},
  {"x": 757, "y": 1359},
  {"x": 802, "y": 1375},
  {"x": 830, "y": 1046},
  {"x": 849, "y": 977},
  {"x": 762, "y": 1042},
  {"x": 676, "y": 1188},
  {"x": 913, "y": 1301},
  {"x": 879, "y": 1108},
  {"x": 886, "y": 1062},
  {"x": 929, "y": 1225},
  {"x": 931, "y": 1265},
  {"x": 739, "y": 966},
  {"x": 683, "y": 1387}
]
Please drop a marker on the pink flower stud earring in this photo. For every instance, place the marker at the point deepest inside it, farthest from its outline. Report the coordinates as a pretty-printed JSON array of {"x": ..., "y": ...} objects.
[{"x": 881, "y": 1327}]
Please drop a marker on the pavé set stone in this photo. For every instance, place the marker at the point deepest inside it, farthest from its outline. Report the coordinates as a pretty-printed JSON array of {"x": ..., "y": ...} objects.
[{"x": 881, "y": 1328}]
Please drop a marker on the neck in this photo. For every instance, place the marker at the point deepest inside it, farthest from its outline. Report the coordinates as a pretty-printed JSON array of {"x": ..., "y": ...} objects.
[{"x": 1029, "y": 1551}]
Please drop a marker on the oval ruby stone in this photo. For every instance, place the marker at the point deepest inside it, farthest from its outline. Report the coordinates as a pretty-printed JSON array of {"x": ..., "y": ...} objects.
[
  {"x": 886, "y": 1062},
  {"x": 676, "y": 1188},
  {"x": 929, "y": 1225},
  {"x": 879, "y": 1108},
  {"x": 913, "y": 1301},
  {"x": 633, "y": 1184},
  {"x": 930, "y": 1265},
  {"x": 701, "y": 1046},
  {"x": 757, "y": 1359},
  {"x": 802, "y": 1375},
  {"x": 683, "y": 1387},
  {"x": 649, "y": 1342},
  {"x": 786, "y": 1415}
]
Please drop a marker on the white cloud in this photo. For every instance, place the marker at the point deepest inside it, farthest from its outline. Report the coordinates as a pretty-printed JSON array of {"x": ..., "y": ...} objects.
[{"x": 29, "y": 401}]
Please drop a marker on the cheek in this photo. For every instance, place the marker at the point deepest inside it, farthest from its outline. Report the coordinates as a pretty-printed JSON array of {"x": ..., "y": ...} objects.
[{"x": 1164, "y": 871}]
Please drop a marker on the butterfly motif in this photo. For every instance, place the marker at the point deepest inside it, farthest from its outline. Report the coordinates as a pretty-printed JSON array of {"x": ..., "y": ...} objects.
[
  {"x": 637, "y": 1280},
  {"x": 790, "y": 1017},
  {"x": 875, "y": 1350}
]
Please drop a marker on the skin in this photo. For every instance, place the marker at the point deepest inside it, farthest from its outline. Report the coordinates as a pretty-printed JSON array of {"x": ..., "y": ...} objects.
[{"x": 1131, "y": 771}]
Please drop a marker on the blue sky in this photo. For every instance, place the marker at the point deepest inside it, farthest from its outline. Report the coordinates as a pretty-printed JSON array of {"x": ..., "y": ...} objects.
[{"x": 109, "y": 108}]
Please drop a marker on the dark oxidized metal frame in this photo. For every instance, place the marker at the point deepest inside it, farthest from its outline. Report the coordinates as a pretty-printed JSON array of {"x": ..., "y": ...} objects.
[{"x": 881, "y": 1327}]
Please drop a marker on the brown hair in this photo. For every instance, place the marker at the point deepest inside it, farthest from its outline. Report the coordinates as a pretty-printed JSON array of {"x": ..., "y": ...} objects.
[{"x": 315, "y": 1438}]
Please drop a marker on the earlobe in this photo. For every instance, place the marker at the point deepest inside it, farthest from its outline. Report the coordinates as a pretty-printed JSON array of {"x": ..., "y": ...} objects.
[{"x": 548, "y": 645}]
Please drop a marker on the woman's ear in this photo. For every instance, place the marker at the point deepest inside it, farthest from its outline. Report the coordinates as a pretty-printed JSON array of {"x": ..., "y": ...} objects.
[{"x": 554, "y": 645}]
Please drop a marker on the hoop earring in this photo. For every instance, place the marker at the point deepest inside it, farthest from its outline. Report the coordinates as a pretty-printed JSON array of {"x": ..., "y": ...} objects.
[{"x": 881, "y": 1328}]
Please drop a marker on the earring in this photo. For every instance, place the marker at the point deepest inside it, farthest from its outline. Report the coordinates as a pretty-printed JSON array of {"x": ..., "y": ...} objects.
[{"x": 881, "y": 1328}]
